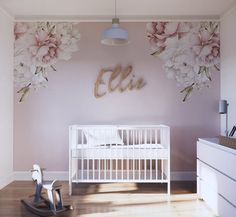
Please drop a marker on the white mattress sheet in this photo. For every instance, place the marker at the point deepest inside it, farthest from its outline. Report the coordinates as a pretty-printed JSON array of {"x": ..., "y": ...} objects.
[
  {"x": 141, "y": 151},
  {"x": 118, "y": 146}
]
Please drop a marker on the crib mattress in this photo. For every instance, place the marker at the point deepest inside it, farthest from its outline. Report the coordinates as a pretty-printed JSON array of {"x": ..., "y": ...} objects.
[
  {"x": 118, "y": 146},
  {"x": 137, "y": 151}
]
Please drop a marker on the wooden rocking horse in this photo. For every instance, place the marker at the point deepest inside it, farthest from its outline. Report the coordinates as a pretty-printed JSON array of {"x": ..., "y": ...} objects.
[{"x": 45, "y": 206}]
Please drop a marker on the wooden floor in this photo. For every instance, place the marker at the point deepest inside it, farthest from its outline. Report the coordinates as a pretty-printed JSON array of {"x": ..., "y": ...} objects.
[{"x": 117, "y": 199}]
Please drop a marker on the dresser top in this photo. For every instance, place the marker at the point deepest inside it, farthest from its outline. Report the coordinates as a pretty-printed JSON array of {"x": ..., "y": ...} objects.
[{"x": 215, "y": 143}]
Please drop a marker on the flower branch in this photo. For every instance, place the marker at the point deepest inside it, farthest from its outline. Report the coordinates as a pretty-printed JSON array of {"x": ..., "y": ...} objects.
[
  {"x": 190, "y": 51},
  {"x": 38, "y": 47}
]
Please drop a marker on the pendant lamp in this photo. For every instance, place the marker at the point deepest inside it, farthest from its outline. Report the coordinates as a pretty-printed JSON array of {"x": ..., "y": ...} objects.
[{"x": 115, "y": 35}]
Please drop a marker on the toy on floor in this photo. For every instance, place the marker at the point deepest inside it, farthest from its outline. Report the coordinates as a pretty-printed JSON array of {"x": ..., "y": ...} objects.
[{"x": 45, "y": 206}]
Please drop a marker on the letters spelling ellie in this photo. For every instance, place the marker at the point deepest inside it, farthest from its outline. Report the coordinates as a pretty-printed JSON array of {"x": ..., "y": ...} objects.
[{"x": 119, "y": 79}]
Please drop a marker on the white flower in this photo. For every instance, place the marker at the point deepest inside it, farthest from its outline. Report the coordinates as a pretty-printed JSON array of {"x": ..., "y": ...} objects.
[{"x": 179, "y": 62}]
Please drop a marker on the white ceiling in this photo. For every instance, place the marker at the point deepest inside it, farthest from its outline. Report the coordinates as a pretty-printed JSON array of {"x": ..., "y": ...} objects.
[{"x": 126, "y": 9}]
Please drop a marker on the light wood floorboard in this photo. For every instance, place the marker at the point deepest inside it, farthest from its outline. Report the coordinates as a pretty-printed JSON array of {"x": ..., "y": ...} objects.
[{"x": 117, "y": 199}]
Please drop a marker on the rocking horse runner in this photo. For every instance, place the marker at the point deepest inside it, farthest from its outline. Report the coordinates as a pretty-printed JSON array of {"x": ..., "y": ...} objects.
[{"x": 45, "y": 206}]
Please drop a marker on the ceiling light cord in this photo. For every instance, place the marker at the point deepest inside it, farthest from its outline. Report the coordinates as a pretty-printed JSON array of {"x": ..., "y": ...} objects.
[{"x": 115, "y": 8}]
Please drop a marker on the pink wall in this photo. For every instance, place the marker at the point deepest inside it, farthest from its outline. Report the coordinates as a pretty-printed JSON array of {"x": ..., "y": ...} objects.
[{"x": 41, "y": 121}]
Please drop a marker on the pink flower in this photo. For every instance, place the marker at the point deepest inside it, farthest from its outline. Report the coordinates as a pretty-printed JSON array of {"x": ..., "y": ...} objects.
[
  {"x": 209, "y": 55},
  {"x": 159, "y": 32},
  {"x": 20, "y": 29},
  {"x": 45, "y": 48},
  {"x": 206, "y": 45}
]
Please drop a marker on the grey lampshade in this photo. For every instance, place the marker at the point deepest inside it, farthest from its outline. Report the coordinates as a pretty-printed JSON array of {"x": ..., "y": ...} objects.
[
  {"x": 115, "y": 35},
  {"x": 223, "y": 107}
]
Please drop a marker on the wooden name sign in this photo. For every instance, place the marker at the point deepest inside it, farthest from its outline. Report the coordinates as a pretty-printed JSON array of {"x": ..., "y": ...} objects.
[{"x": 119, "y": 78}]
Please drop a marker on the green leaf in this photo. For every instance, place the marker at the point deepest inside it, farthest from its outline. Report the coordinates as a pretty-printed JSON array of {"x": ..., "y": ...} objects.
[
  {"x": 187, "y": 90},
  {"x": 24, "y": 92},
  {"x": 217, "y": 67},
  {"x": 207, "y": 73},
  {"x": 54, "y": 69},
  {"x": 156, "y": 53}
]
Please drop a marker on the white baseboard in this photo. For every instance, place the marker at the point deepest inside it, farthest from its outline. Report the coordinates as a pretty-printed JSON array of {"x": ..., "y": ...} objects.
[
  {"x": 47, "y": 175},
  {"x": 63, "y": 175},
  {"x": 6, "y": 180}
]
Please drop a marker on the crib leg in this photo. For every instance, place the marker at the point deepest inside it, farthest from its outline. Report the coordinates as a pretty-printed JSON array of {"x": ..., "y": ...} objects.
[
  {"x": 168, "y": 188},
  {"x": 70, "y": 187}
]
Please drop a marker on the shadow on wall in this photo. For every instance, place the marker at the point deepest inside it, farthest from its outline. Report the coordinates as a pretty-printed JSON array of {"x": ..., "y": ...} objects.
[{"x": 184, "y": 157}]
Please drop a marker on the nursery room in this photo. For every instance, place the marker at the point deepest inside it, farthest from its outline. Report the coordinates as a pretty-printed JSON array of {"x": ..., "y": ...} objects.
[{"x": 117, "y": 108}]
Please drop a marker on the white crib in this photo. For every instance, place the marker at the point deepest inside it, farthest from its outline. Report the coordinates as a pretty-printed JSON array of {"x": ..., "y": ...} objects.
[{"x": 137, "y": 153}]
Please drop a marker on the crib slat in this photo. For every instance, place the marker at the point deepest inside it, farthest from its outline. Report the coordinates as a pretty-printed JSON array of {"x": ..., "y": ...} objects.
[
  {"x": 167, "y": 136},
  {"x": 139, "y": 160},
  {"x": 105, "y": 163},
  {"x": 99, "y": 170},
  {"x": 127, "y": 159},
  {"x": 156, "y": 158},
  {"x": 162, "y": 169},
  {"x": 162, "y": 157},
  {"x": 93, "y": 166},
  {"x": 70, "y": 159},
  {"x": 133, "y": 168},
  {"x": 150, "y": 160},
  {"x": 82, "y": 155},
  {"x": 110, "y": 157},
  {"x": 122, "y": 161},
  {"x": 136, "y": 161},
  {"x": 145, "y": 159},
  {"x": 116, "y": 167}
]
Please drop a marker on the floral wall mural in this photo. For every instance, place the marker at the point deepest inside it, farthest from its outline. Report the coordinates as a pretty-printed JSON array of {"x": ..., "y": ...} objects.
[
  {"x": 41, "y": 121},
  {"x": 38, "y": 47},
  {"x": 190, "y": 51}
]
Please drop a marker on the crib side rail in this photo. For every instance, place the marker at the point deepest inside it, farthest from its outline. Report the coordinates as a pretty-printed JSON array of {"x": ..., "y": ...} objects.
[{"x": 155, "y": 133}]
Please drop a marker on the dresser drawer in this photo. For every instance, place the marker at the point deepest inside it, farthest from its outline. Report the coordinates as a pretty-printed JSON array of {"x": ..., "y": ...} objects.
[
  {"x": 225, "y": 208},
  {"x": 221, "y": 184},
  {"x": 222, "y": 160},
  {"x": 208, "y": 194}
]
